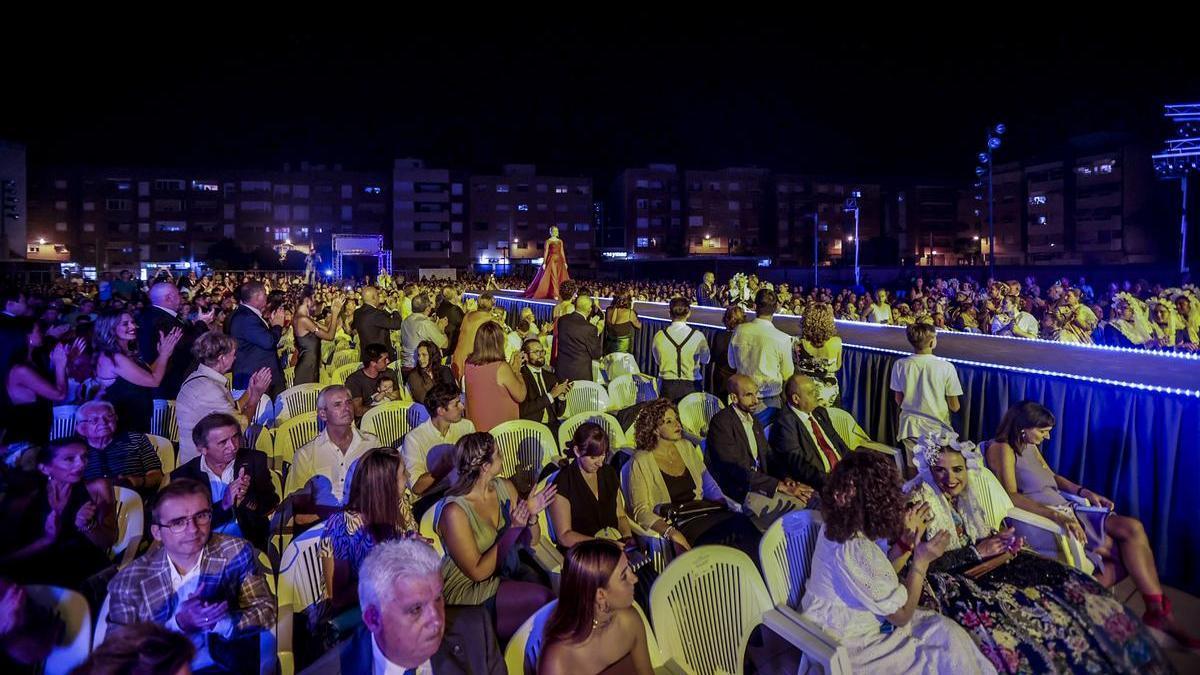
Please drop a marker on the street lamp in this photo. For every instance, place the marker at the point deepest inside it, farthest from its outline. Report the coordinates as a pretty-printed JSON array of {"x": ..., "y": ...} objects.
[
  {"x": 985, "y": 167},
  {"x": 852, "y": 205}
]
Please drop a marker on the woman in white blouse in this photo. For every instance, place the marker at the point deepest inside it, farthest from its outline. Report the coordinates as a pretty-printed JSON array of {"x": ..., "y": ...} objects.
[{"x": 854, "y": 591}]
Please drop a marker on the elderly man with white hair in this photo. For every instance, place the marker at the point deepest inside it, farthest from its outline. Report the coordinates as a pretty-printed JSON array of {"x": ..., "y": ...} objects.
[
  {"x": 206, "y": 391},
  {"x": 406, "y": 628},
  {"x": 160, "y": 318},
  {"x": 124, "y": 459}
]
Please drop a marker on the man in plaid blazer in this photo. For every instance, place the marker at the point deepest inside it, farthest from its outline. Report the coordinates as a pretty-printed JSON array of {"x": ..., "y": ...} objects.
[{"x": 207, "y": 586}]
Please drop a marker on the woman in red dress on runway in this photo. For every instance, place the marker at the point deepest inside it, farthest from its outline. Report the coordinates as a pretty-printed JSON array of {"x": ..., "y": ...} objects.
[{"x": 554, "y": 270}]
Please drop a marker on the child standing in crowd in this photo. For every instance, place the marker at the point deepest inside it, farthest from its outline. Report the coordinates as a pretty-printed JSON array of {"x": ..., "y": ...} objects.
[{"x": 926, "y": 388}]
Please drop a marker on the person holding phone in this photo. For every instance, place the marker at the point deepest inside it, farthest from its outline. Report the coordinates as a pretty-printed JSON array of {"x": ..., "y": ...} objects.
[
  {"x": 546, "y": 400},
  {"x": 1025, "y": 612}
]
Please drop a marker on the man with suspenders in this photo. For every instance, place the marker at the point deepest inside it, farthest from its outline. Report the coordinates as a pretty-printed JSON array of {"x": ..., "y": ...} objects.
[{"x": 680, "y": 352}]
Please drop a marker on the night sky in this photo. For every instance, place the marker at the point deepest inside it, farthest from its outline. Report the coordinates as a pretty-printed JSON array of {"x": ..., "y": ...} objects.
[{"x": 581, "y": 97}]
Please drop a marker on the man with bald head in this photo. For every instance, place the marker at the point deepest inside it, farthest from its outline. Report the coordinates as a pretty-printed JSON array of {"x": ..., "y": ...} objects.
[
  {"x": 805, "y": 445},
  {"x": 374, "y": 325},
  {"x": 157, "y": 320},
  {"x": 577, "y": 343},
  {"x": 736, "y": 452}
]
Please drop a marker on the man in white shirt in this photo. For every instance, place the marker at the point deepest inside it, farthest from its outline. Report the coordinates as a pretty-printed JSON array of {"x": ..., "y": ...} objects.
[
  {"x": 762, "y": 351},
  {"x": 681, "y": 353},
  {"x": 407, "y": 629},
  {"x": 926, "y": 387},
  {"x": 437, "y": 437},
  {"x": 206, "y": 586},
  {"x": 320, "y": 468}
]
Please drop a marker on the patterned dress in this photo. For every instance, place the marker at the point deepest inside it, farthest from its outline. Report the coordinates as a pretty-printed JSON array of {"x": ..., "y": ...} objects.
[{"x": 1034, "y": 615}]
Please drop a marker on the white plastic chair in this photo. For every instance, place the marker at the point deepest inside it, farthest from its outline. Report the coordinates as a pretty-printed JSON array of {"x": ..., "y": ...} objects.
[
  {"x": 131, "y": 524},
  {"x": 705, "y": 605},
  {"x": 344, "y": 357},
  {"x": 618, "y": 364},
  {"x": 391, "y": 421},
  {"x": 163, "y": 421},
  {"x": 299, "y": 399},
  {"x": 854, "y": 436},
  {"x": 289, "y": 377},
  {"x": 72, "y": 609},
  {"x": 586, "y": 397},
  {"x": 166, "y": 455},
  {"x": 622, "y": 392},
  {"x": 101, "y": 630},
  {"x": 301, "y": 583},
  {"x": 616, "y": 437},
  {"x": 341, "y": 373},
  {"x": 524, "y": 445},
  {"x": 428, "y": 526},
  {"x": 64, "y": 421},
  {"x": 785, "y": 553},
  {"x": 695, "y": 411},
  {"x": 292, "y": 435}
]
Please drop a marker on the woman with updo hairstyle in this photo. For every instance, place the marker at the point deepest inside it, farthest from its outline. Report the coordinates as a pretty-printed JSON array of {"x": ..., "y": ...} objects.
[
  {"x": 722, "y": 369},
  {"x": 818, "y": 351},
  {"x": 486, "y": 527},
  {"x": 594, "y": 629},
  {"x": 620, "y": 321},
  {"x": 854, "y": 591}
]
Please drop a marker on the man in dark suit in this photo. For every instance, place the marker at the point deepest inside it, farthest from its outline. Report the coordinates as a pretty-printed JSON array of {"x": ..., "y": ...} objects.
[
  {"x": 805, "y": 446},
  {"x": 577, "y": 343},
  {"x": 736, "y": 450},
  {"x": 257, "y": 338},
  {"x": 239, "y": 479},
  {"x": 449, "y": 310},
  {"x": 160, "y": 318},
  {"x": 405, "y": 622},
  {"x": 546, "y": 401},
  {"x": 374, "y": 325}
]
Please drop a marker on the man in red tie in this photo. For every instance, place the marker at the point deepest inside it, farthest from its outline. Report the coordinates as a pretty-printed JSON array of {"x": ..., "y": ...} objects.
[{"x": 804, "y": 444}]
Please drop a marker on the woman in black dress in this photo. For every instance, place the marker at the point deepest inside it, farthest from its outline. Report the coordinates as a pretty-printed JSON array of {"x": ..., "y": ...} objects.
[
  {"x": 27, "y": 395},
  {"x": 620, "y": 323},
  {"x": 128, "y": 382},
  {"x": 308, "y": 334},
  {"x": 429, "y": 372}
]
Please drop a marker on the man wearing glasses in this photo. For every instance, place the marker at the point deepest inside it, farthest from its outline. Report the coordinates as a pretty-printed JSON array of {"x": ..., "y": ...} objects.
[{"x": 206, "y": 586}]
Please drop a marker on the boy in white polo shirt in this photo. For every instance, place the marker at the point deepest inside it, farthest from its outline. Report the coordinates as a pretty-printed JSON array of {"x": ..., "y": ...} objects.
[{"x": 926, "y": 388}]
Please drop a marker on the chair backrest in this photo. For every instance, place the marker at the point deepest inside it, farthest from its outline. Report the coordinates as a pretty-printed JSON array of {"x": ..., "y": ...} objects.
[
  {"x": 342, "y": 372},
  {"x": 294, "y": 434},
  {"x": 525, "y": 646},
  {"x": 524, "y": 445},
  {"x": 64, "y": 421},
  {"x": 618, "y": 364},
  {"x": 786, "y": 552},
  {"x": 301, "y": 574},
  {"x": 344, "y": 357},
  {"x": 391, "y": 421},
  {"x": 101, "y": 630},
  {"x": 131, "y": 525},
  {"x": 163, "y": 423},
  {"x": 991, "y": 494},
  {"x": 166, "y": 453},
  {"x": 586, "y": 397},
  {"x": 705, "y": 605},
  {"x": 622, "y": 392},
  {"x": 616, "y": 437},
  {"x": 72, "y": 609},
  {"x": 428, "y": 526},
  {"x": 299, "y": 399},
  {"x": 289, "y": 376},
  {"x": 695, "y": 411}
]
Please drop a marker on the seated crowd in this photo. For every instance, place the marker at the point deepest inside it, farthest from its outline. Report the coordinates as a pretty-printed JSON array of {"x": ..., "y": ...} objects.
[{"x": 434, "y": 547}]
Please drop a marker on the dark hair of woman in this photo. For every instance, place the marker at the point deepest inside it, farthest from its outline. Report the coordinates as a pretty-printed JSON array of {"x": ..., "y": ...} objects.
[
  {"x": 589, "y": 441},
  {"x": 587, "y": 568},
  {"x": 375, "y": 494},
  {"x": 471, "y": 453},
  {"x": 649, "y": 418},
  {"x": 140, "y": 649},
  {"x": 863, "y": 494},
  {"x": 1019, "y": 417}
]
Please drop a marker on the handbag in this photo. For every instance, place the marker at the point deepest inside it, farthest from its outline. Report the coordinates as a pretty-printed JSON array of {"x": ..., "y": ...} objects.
[{"x": 682, "y": 514}]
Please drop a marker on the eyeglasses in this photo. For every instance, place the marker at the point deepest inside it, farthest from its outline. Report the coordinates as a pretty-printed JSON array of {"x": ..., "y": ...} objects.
[
  {"x": 178, "y": 525},
  {"x": 98, "y": 419}
]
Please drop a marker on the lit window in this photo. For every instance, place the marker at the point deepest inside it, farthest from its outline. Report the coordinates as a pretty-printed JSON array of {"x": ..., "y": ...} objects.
[
  {"x": 501, "y": 188},
  {"x": 1041, "y": 220},
  {"x": 643, "y": 242},
  {"x": 199, "y": 186},
  {"x": 560, "y": 189},
  {"x": 373, "y": 190},
  {"x": 1037, "y": 199},
  {"x": 1105, "y": 168},
  {"x": 522, "y": 207}
]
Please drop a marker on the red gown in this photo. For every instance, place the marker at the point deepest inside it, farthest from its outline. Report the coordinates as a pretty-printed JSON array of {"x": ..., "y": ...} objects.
[{"x": 550, "y": 277}]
